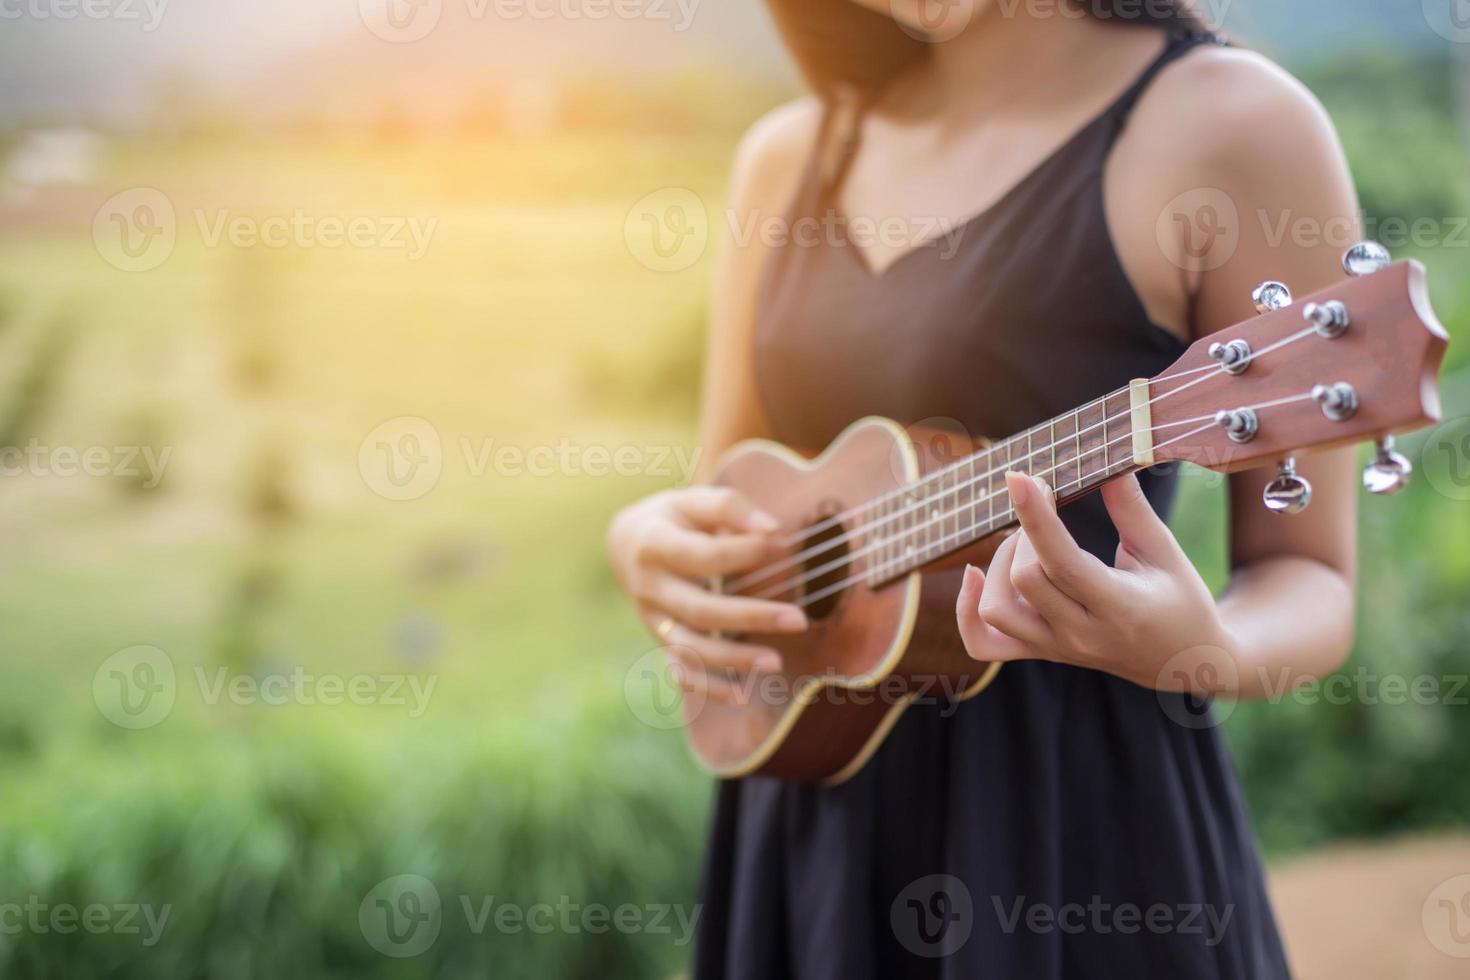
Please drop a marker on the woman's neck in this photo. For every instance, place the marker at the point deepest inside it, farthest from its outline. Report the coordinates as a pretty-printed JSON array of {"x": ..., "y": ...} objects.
[{"x": 1012, "y": 56}]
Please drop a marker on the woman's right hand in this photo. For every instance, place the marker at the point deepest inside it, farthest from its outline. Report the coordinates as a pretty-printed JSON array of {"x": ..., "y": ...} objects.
[{"x": 663, "y": 546}]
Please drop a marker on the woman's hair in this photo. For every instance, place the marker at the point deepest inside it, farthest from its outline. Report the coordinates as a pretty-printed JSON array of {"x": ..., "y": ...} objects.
[{"x": 840, "y": 45}]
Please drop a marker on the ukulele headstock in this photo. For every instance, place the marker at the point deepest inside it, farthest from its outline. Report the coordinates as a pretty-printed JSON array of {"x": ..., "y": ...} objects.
[{"x": 1356, "y": 361}]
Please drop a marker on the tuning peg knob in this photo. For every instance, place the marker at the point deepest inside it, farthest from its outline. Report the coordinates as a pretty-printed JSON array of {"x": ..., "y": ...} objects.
[
  {"x": 1388, "y": 471},
  {"x": 1288, "y": 493},
  {"x": 1338, "y": 401},
  {"x": 1271, "y": 295},
  {"x": 1330, "y": 318},
  {"x": 1240, "y": 424},
  {"x": 1234, "y": 356},
  {"x": 1365, "y": 258}
]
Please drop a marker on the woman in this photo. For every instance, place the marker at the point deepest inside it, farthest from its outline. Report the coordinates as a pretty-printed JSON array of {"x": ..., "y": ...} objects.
[{"x": 1081, "y": 163}]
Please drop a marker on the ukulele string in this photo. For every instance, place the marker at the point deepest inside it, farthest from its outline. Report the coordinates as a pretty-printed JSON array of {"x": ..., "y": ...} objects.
[
  {"x": 865, "y": 528},
  {"x": 941, "y": 518},
  {"x": 943, "y": 542},
  {"x": 810, "y": 529},
  {"x": 880, "y": 542},
  {"x": 823, "y": 593},
  {"x": 765, "y": 572},
  {"x": 805, "y": 532}
]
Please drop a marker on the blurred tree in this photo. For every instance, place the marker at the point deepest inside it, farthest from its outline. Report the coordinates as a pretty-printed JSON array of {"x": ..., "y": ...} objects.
[{"x": 253, "y": 310}]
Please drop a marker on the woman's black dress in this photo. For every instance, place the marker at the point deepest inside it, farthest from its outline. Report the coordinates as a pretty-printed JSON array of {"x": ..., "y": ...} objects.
[{"x": 1064, "y": 823}]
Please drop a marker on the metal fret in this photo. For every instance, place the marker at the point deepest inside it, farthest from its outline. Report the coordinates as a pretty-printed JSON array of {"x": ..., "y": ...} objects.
[
  {"x": 927, "y": 520},
  {"x": 906, "y": 529},
  {"x": 1087, "y": 440},
  {"x": 974, "y": 518},
  {"x": 1119, "y": 454},
  {"x": 1077, "y": 433},
  {"x": 990, "y": 490},
  {"x": 1051, "y": 453},
  {"x": 1064, "y": 465},
  {"x": 1043, "y": 460},
  {"x": 952, "y": 507},
  {"x": 926, "y": 514}
]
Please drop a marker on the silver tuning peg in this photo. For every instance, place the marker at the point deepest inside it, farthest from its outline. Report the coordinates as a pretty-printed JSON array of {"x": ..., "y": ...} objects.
[
  {"x": 1388, "y": 471},
  {"x": 1271, "y": 295},
  {"x": 1234, "y": 357},
  {"x": 1329, "y": 319},
  {"x": 1365, "y": 258},
  {"x": 1288, "y": 493}
]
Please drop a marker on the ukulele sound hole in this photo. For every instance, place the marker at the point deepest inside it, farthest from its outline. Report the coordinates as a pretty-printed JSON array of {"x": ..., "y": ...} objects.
[{"x": 825, "y": 567}]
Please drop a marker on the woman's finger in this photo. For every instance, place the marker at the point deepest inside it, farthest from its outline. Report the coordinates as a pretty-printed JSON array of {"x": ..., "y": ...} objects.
[
  {"x": 983, "y": 642},
  {"x": 717, "y": 653},
  {"x": 1003, "y": 608},
  {"x": 1076, "y": 573},
  {"x": 1031, "y": 582},
  {"x": 721, "y": 508},
  {"x": 1141, "y": 532},
  {"x": 692, "y": 606},
  {"x": 694, "y": 680},
  {"x": 694, "y": 554}
]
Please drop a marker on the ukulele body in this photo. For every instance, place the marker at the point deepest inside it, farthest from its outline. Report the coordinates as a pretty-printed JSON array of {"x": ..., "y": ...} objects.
[{"x": 870, "y": 652}]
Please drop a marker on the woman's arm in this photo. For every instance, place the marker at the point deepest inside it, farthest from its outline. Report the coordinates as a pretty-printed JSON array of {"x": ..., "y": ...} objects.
[
  {"x": 1272, "y": 149},
  {"x": 765, "y": 175},
  {"x": 1228, "y": 174},
  {"x": 663, "y": 546}
]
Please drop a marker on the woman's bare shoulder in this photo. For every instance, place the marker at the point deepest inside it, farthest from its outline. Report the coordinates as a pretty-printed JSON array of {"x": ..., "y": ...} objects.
[
  {"x": 1234, "y": 109},
  {"x": 1224, "y": 157},
  {"x": 773, "y": 152}
]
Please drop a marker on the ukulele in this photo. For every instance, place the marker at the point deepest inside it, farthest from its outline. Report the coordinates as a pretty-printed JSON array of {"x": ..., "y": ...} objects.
[{"x": 866, "y": 524}]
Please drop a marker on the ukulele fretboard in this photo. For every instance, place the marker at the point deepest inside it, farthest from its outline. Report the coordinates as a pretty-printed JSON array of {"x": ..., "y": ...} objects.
[{"x": 959, "y": 504}]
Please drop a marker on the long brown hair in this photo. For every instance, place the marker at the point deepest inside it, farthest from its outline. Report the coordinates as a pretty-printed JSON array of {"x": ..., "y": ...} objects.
[{"x": 841, "y": 46}]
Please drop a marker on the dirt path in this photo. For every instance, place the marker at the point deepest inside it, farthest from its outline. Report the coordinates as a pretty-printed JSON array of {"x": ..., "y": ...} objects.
[{"x": 1378, "y": 912}]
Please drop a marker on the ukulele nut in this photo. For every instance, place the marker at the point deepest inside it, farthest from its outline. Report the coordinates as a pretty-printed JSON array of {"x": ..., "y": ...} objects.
[
  {"x": 1339, "y": 401},
  {"x": 1240, "y": 425},
  {"x": 1329, "y": 318}
]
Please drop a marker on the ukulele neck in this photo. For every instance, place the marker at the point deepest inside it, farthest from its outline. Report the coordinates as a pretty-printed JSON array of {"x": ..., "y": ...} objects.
[{"x": 957, "y": 504}]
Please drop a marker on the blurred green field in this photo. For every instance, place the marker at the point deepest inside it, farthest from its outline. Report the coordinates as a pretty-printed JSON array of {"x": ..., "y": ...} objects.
[
  {"x": 531, "y": 773},
  {"x": 264, "y": 548}
]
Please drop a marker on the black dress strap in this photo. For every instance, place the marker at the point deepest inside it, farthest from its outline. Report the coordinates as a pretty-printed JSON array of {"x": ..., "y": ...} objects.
[
  {"x": 837, "y": 144},
  {"x": 1180, "y": 44}
]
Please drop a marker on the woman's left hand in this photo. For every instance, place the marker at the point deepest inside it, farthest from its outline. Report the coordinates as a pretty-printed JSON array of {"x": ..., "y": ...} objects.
[{"x": 1149, "y": 619}]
